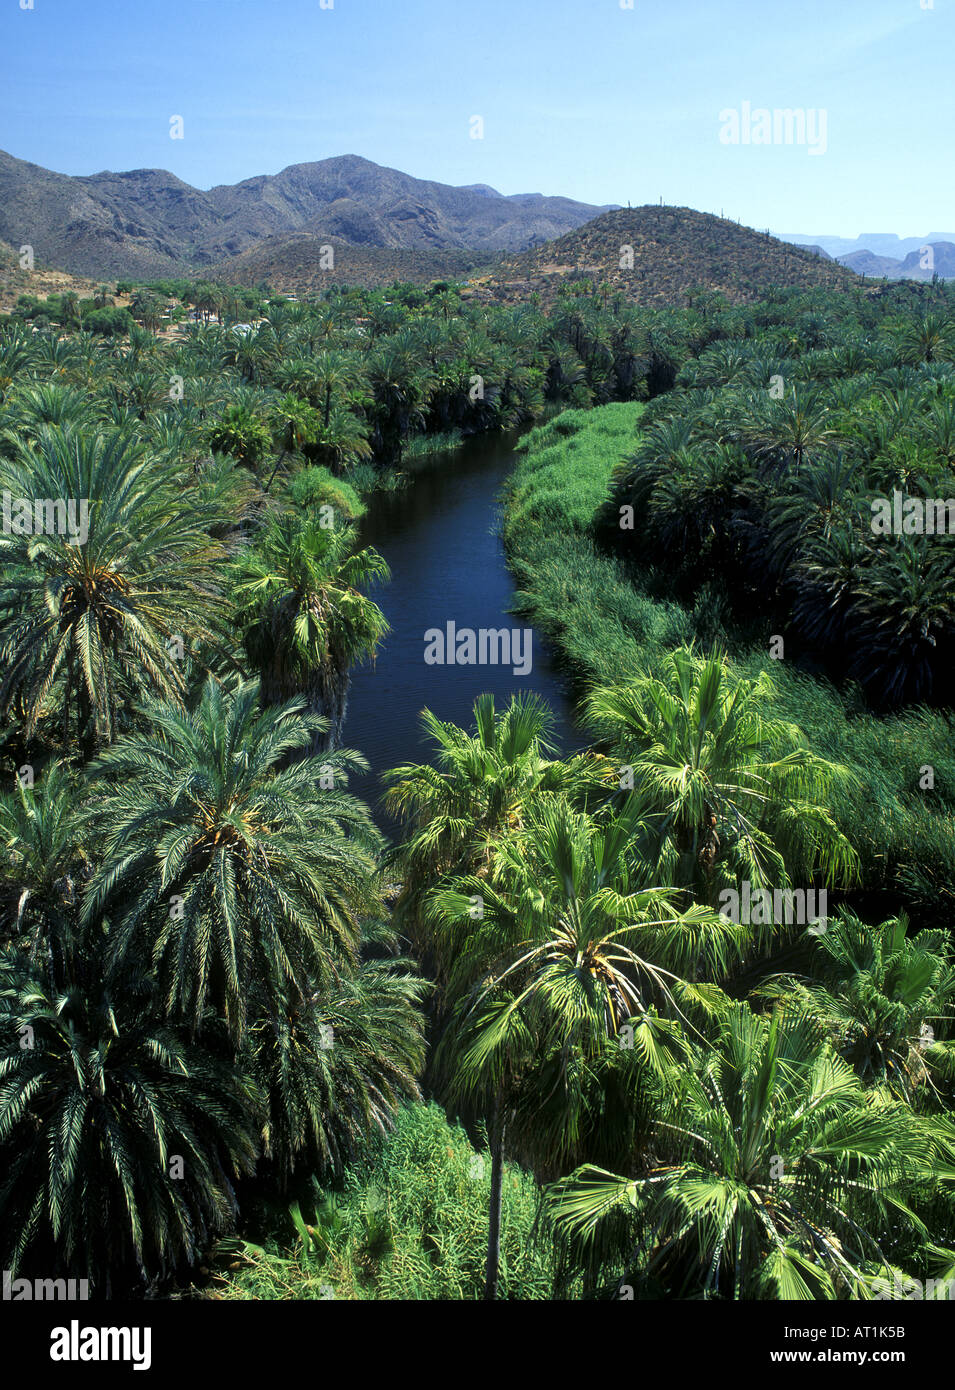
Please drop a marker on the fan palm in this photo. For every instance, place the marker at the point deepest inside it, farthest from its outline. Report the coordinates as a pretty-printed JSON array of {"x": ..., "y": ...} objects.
[
  {"x": 882, "y": 996},
  {"x": 476, "y": 791},
  {"x": 569, "y": 946},
  {"x": 304, "y": 616},
  {"x": 735, "y": 790},
  {"x": 776, "y": 1175}
]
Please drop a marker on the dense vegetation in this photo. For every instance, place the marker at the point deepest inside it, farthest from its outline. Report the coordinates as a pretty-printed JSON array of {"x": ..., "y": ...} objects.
[{"x": 220, "y": 990}]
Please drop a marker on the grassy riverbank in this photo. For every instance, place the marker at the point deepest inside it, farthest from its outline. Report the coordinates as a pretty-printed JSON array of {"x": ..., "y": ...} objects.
[
  {"x": 609, "y": 616},
  {"x": 405, "y": 1223}
]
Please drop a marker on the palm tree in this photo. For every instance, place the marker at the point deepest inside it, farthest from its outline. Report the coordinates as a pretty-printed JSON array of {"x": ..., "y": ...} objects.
[
  {"x": 86, "y": 627},
  {"x": 776, "y": 1176},
  {"x": 789, "y": 431},
  {"x": 241, "y": 432},
  {"x": 337, "y": 1065},
  {"x": 295, "y": 424},
  {"x": 325, "y": 379},
  {"x": 826, "y": 579},
  {"x": 342, "y": 440},
  {"x": 42, "y": 864},
  {"x": 881, "y": 997},
  {"x": 120, "y": 1142},
  {"x": 46, "y": 403},
  {"x": 401, "y": 383},
  {"x": 569, "y": 946},
  {"x": 930, "y": 338},
  {"x": 476, "y": 792},
  {"x": 821, "y": 500},
  {"x": 734, "y": 792},
  {"x": 905, "y": 616},
  {"x": 304, "y": 616},
  {"x": 231, "y": 874}
]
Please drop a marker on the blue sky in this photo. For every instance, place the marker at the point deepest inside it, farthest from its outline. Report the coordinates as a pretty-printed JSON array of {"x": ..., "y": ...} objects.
[{"x": 578, "y": 97}]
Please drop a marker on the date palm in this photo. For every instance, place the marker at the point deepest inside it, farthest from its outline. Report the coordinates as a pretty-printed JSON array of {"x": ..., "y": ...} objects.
[
  {"x": 231, "y": 874},
  {"x": 120, "y": 1141},
  {"x": 930, "y": 338},
  {"x": 821, "y": 501},
  {"x": 43, "y": 866},
  {"x": 401, "y": 383},
  {"x": 46, "y": 403},
  {"x": 791, "y": 431},
  {"x": 86, "y": 628},
  {"x": 905, "y": 611},
  {"x": 337, "y": 1065}
]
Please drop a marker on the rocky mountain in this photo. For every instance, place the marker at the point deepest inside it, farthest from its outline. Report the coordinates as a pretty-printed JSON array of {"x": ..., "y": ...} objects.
[
  {"x": 655, "y": 255},
  {"x": 881, "y": 254},
  {"x": 147, "y": 222},
  {"x": 917, "y": 265},
  {"x": 868, "y": 263}
]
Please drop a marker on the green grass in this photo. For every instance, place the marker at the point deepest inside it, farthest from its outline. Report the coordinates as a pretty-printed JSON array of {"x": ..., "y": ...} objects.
[
  {"x": 609, "y": 619},
  {"x": 423, "y": 445},
  {"x": 408, "y": 1223}
]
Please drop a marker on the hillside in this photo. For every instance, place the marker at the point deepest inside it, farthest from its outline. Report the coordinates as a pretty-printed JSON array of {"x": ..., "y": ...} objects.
[
  {"x": 40, "y": 281},
  {"x": 147, "y": 222},
  {"x": 293, "y": 264},
  {"x": 674, "y": 250}
]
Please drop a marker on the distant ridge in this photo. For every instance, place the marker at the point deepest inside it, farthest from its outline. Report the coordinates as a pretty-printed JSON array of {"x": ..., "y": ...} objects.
[{"x": 881, "y": 254}]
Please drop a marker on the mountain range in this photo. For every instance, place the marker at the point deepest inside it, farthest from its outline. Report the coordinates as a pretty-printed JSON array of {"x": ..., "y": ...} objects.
[
  {"x": 883, "y": 254},
  {"x": 148, "y": 222},
  {"x": 383, "y": 224}
]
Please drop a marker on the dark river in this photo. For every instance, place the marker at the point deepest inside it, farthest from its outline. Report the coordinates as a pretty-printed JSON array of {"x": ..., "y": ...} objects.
[{"x": 440, "y": 538}]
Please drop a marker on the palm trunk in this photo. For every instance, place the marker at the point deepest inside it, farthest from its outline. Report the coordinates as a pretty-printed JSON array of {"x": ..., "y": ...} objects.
[
  {"x": 275, "y": 470},
  {"x": 496, "y": 1136}
]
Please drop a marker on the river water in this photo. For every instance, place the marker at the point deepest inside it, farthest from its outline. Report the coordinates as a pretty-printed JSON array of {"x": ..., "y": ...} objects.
[{"x": 441, "y": 539}]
